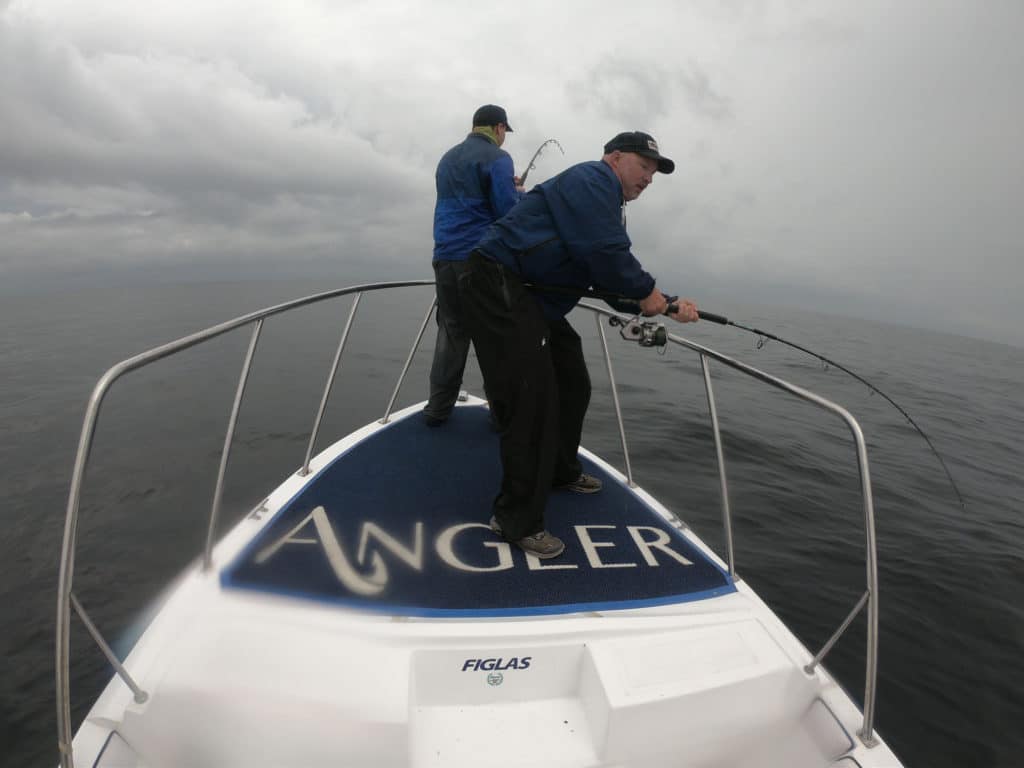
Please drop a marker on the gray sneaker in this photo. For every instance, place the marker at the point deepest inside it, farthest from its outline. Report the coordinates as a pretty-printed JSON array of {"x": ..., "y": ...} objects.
[
  {"x": 542, "y": 545},
  {"x": 583, "y": 484}
]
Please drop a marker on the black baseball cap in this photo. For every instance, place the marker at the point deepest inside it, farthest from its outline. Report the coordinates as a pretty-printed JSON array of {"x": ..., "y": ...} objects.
[
  {"x": 640, "y": 143},
  {"x": 491, "y": 114}
]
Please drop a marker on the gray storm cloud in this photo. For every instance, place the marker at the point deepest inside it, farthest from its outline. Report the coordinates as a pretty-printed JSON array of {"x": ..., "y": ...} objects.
[
  {"x": 151, "y": 155},
  {"x": 859, "y": 157}
]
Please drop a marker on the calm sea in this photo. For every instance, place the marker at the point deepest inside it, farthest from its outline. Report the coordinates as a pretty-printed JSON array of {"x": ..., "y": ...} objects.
[{"x": 952, "y": 614}]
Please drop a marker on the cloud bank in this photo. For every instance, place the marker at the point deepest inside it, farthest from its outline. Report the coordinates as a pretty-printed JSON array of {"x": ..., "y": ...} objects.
[{"x": 856, "y": 157}]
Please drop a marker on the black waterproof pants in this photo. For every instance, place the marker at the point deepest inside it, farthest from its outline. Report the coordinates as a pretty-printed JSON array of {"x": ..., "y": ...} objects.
[
  {"x": 538, "y": 387},
  {"x": 452, "y": 346}
]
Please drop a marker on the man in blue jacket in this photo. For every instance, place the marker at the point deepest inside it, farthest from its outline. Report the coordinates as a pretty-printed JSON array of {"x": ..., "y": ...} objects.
[
  {"x": 475, "y": 187},
  {"x": 569, "y": 234}
]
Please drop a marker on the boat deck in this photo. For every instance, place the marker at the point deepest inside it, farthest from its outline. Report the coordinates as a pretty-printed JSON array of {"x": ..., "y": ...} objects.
[
  {"x": 398, "y": 523},
  {"x": 364, "y": 614}
]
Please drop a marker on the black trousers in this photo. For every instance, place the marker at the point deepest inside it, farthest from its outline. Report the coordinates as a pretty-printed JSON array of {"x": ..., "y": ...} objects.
[
  {"x": 538, "y": 387},
  {"x": 452, "y": 346}
]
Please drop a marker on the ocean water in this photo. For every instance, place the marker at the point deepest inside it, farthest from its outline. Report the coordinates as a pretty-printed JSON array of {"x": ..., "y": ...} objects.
[{"x": 951, "y": 579}]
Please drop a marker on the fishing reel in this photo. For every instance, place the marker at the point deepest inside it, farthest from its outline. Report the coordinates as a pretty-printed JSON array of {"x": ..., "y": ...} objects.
[{"x": 647, "y": 333}]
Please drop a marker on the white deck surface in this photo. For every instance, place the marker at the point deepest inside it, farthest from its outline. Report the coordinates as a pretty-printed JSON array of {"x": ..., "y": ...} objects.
[{"x": 237, "y": 678}]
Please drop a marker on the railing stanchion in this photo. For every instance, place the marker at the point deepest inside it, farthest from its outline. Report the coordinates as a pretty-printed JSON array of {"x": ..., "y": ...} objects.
[
  {"x": 820, "y": 656},
  {"x": 408, "y": 361},
  {"x": 615, "y": 399},
  {"x": 226, "y": 451},
  {"x": 330, "y": 383},
  {"x": 67, "y": 568},
  {"x": 867, "y": 734},
  {"x": 138, "y": 694},
  {"x": 723, "y": 483}
]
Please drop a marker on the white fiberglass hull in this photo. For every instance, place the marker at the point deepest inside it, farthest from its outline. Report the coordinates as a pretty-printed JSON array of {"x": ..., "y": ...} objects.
[{"x": 244, "y": 676}]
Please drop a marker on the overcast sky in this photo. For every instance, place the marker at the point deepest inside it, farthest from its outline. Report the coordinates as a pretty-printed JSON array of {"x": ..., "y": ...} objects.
[{"x": 860, "y": 157}]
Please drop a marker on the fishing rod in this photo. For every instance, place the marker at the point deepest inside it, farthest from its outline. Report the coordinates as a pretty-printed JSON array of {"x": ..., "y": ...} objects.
[
  {"x": 721, "y": 320},
  {"x": 649, "y": 336},
  {"x": 533, "y": 160}
]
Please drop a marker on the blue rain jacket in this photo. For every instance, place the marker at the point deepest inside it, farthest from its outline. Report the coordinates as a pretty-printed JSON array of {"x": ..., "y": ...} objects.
[
  {"x": 474, "y": 188},
  {"x": 569, "y": 233}
]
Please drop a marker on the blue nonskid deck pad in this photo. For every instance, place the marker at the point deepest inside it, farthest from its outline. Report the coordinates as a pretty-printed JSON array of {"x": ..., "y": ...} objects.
[{"x": 399, "y": 524}]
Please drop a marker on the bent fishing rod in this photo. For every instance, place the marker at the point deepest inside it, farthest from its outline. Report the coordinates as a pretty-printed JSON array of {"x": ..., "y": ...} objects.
[
  {"x": 828, "y": 361},
  {"x": 533, "y": 160},
  {"x": 618, "y": 301}
]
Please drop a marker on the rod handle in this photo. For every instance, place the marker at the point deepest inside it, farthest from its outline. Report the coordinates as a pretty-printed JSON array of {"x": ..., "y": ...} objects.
[{"x": 712, "y": 317}]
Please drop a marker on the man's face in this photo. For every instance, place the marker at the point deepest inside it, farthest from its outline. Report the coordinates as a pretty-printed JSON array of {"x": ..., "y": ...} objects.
[{"x": 635, "y": 172}]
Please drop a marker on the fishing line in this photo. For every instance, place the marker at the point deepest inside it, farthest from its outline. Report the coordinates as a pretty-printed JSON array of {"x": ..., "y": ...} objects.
[
  {"x": 721, "y": 320},
  {"x": 622, "y": 301},
  {"x": 533, "y": 160}
]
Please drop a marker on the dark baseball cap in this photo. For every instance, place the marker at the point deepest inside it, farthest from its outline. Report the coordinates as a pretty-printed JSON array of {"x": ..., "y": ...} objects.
[
  {"x": 640, "y": 143},
  {"x": 491, "y": 114}
]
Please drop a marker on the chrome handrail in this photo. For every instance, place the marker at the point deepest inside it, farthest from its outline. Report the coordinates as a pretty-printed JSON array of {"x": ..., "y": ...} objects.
[
  {"x": 62, "y": 650},
  {"x": 722, "y": 482},
  {"x": 408, "y": 362},
  {"x": 66, "y": 600},
  {"x": 615, "y": 400},
  {"x": 218, "y": 492},
  {"x": 867, "y": 733},
  {"x": 330, "y": 383}
]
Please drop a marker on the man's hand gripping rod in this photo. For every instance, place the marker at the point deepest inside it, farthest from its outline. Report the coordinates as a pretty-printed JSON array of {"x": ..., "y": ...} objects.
[{"x": 649, "y": 333}]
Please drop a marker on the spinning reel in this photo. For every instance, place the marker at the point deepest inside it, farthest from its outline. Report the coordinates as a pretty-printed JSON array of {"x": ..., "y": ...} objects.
[{"x": 647, "y": 333}]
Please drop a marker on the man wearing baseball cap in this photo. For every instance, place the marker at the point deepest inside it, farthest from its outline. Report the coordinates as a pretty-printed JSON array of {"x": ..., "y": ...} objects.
[
  {"x": 641, "y": 144},
  {"x": 475, "y": 186},
  {"x": 566, "y": 237}
]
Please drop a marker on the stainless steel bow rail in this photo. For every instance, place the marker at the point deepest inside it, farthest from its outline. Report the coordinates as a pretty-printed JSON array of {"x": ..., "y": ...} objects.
[{"x": 66, "y": 599}]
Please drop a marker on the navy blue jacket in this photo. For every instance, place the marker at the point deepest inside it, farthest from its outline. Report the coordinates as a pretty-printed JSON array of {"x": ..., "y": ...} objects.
[
  {"x": 568, "y": 232},
  {"x": 474, "y": 188}
]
